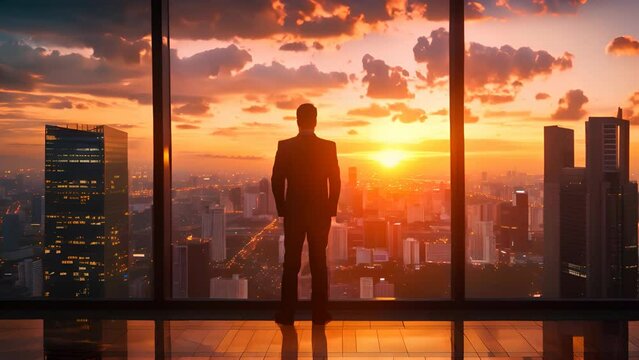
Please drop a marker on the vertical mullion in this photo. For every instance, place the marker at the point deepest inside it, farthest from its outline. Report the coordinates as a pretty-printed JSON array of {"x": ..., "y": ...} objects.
[
  {"x": 161, "y": 151},
  {"x": 457, "y": 177}
]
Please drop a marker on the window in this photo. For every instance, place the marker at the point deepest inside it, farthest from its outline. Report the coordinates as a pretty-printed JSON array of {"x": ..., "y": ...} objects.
[
  {"x": 75, "y": 159},
  {"x": 238, "y": 75}
]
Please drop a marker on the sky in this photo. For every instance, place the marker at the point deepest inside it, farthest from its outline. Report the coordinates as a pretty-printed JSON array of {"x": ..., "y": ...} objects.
[{"x": 376, "y": 70}]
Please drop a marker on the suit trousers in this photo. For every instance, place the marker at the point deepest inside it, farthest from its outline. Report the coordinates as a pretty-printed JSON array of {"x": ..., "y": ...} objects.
[{"x": 315, "y": 230}]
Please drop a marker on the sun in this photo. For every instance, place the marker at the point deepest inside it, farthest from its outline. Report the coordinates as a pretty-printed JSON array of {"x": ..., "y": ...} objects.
[{"x": 389, "y": 158}]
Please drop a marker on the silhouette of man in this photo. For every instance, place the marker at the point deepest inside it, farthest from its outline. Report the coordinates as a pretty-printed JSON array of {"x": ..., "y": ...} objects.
[{"x": 306, "y": 186}]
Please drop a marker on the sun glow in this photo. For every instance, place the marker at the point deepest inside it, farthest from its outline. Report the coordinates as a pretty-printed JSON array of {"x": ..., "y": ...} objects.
[{"x": 390, "y": 158}]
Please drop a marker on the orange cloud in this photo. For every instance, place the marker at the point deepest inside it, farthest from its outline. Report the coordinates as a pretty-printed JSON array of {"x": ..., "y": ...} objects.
[
  {"x": 623, "y": 45},
  {"x": 571, "y": 106}
]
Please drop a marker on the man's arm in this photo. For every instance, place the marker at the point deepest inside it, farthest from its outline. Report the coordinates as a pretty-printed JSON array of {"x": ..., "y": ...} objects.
[
  {"x": 334, "y": 181},
  {"x": 278, "y": 181}
]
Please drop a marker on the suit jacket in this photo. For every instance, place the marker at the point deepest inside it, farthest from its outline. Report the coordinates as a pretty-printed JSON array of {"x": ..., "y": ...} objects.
[{"x": 304, "y": 168}]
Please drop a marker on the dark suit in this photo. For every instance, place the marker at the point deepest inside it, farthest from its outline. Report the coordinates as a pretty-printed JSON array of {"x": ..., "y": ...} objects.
[{"x": 304, "y": 168}]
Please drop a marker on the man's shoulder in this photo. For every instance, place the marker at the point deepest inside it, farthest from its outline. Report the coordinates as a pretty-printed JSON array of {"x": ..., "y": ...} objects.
[
  {"x": 327, "y": 143},
  {"x": 286, "y": 142}
]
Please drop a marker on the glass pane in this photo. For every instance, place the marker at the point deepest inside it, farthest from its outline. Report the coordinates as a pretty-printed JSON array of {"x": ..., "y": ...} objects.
[
  {"x": 75, "y": 150},
  {"x": 378, "y": 75},
  {"x": 551, "y": 192}
]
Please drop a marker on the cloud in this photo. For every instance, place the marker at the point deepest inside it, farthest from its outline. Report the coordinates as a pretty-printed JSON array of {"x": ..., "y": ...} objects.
[
  {"x": 503, "y": 70},
  {"x": 211, "y": 63},
  {"x": 571, "y": 106},
  {"x": 256, "y": 109},
  {"x": 493, "y": 75},
  {"x": 352, "y": 132},
  {"x": 187, "y": 127},
  {"x": 542, "y": 96},
  {"x": 373, "y": 110},
  {"x": 433, "y": 50},
  {"x": 632, "y": 112},
  {"x": 227, "y": 131},
  {"x": 263, "y": 125},
  {"x": 385, "y": 82},
  {"x": 317, "y": 45},
  {"x": 286, "y": 102},
  {"x": 289, "y": 118},
  {"x": 469, "y": 118},
  {"x": 267, "y": 79},
  {"x": 294, "y": 46},
  {"x": 192, "y": 108},
  {"x": 623, "y": 45},
  {"x": 441, "y": 112},
  {"x": 406, "y": 114},
  {"x": 116, "y": 30}
]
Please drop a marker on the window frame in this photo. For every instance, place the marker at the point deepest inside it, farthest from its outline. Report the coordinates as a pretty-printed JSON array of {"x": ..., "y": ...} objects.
[{"x": 162, "y": 275}]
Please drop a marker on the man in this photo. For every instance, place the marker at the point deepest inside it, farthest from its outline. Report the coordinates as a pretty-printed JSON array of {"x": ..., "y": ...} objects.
[{"x": 303, "y": 166}]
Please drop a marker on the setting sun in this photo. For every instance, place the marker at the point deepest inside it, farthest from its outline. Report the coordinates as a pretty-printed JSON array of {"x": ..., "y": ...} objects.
[{"x": 390, "y": 158}]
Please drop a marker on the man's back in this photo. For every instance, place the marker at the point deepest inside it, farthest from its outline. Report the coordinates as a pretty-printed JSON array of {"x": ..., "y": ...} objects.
[{"x": 305, "y": 163}]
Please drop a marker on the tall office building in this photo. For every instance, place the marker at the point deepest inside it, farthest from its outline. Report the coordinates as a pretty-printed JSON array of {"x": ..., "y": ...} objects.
[
  {"x": 86, "y": 212},
  {"x": 384, "y": 289},
  {"x": 513, "y": 223},
  {"x": 190, "y": 268},
  {"x": 214, "y": 229},
  {"x": 612, "y": 210},
  {"x": 594, "y": 216},
  {"x": 559, "y": 153},
  {"x": 338, "y": 243}
]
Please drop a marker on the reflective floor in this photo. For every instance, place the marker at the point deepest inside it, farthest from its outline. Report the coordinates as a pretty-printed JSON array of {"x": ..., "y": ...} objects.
[{"x": 228, "y": 339}]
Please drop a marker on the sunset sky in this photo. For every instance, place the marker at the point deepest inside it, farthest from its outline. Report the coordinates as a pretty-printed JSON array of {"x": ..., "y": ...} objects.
[{"x": 376, "y": 70}]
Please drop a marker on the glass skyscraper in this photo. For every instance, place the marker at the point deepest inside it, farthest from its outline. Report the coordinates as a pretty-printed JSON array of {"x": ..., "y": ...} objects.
[{"x": 86, "y": 212}]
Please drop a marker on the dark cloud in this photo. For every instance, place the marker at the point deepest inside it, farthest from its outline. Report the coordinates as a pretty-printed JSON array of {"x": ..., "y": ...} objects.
[
  {"x": 433, "y": 50},
  {"x": 317, "y": 45},
  {"x": 294, "y": 46},
  {"x": 623, "y": 45},
  {"x": 385, "y": 82},
  {"x": 406, "y": 114},
  {"x": 493, "y": 75},
  {"x": 211, "y": 63},
  {"x": 11, "y": 99},
  {"x": 571, "y": 106},
  {"x": 61, "y": 104},
  {"x": 114, "y": 29},
  {"x": 373, "y": 110},
  {"x": 81, "y": 106},
  {"x": 256, "y": 109},
  {"x": 542, "y": 96},
  {"x": 268, "y": 79}
]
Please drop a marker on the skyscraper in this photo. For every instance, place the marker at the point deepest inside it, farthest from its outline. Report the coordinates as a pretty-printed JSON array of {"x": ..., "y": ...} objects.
[
  {"x": 482, "y": 242},
  {"x": 411, "y": 251},
  {"x": 593, "y": 216},
  {"x": 559, "y": 153},
  {"x": 612, "y": 210},
  {"x": 513, "y": 223},
  {"x": 338, "y": 243},
  {"x": 376, "y": 233},
  {"x": 86, "y": 212},
  {"x": 214, "y": 229},
  {"x": 190, "y": 268}
]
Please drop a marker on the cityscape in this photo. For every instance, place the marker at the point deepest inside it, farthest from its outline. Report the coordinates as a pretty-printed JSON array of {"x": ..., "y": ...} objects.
[{"x": 82, "y": 228}]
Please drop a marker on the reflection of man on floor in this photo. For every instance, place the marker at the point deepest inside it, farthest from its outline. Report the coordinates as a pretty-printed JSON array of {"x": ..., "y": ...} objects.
[{"x": 306, "y": 187}]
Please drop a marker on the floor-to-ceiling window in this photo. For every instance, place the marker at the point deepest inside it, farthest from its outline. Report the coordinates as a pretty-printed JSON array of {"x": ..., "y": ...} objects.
[
  {"x": 551, "y": 194},
  {"x": 75, "y": 150},
  {"x": 377, "y": 73}
]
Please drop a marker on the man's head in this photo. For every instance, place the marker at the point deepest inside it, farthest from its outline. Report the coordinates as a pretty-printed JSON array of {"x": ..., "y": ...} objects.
[{"x": 306, "y": 116}]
